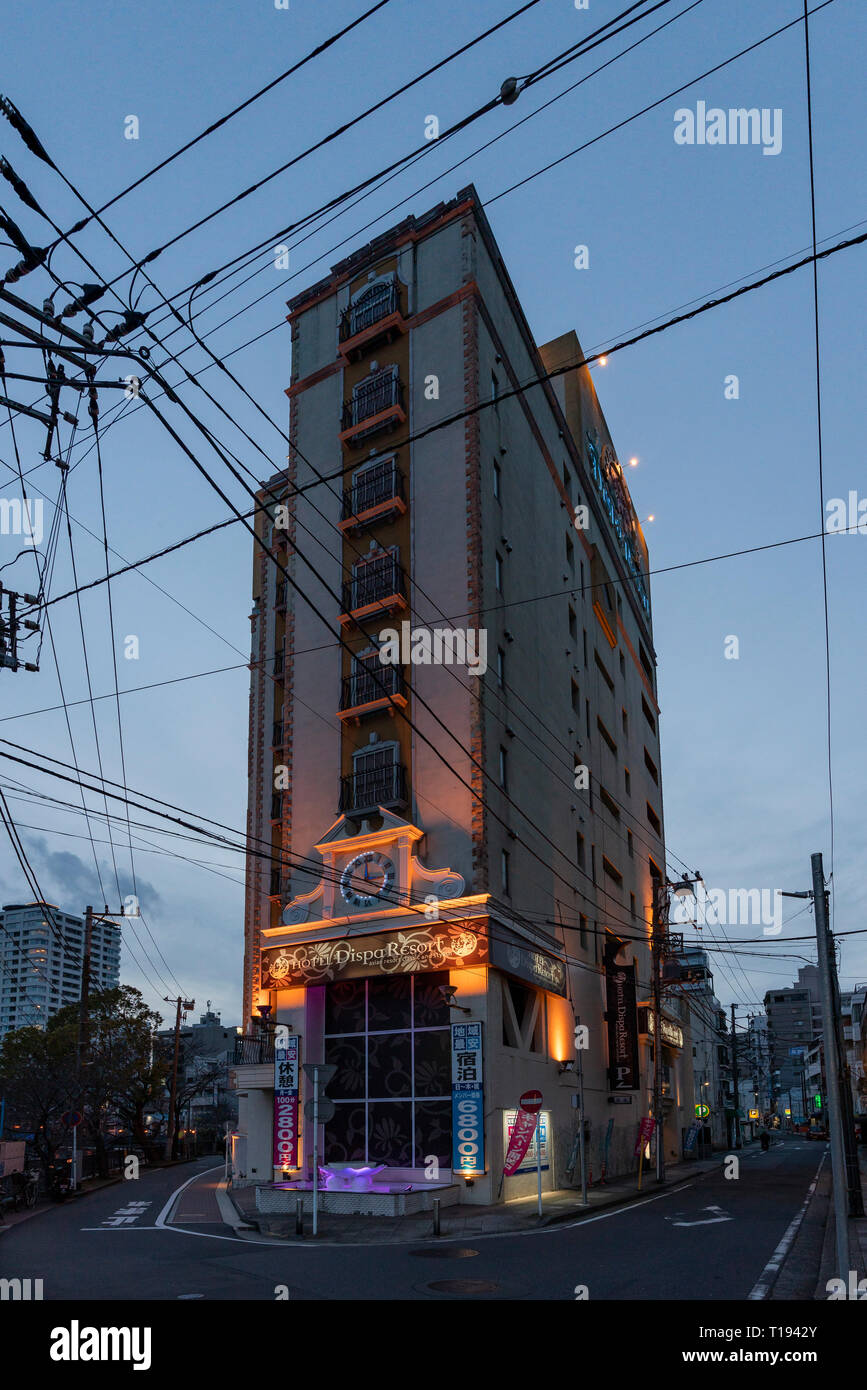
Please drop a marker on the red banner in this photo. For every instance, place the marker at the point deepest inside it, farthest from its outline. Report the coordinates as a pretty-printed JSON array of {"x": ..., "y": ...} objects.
[
  {"x": 525, "y": 1128},
  {"x": 645, "y": 1134}
]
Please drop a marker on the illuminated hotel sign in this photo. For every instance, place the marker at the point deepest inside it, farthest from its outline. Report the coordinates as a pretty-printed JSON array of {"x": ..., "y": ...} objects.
[
  {"x": 608, "y": 477},
  {"x": 623, "y": 1073},
  {"x": 468, "y": 1100},
  {"x": 286, "y": 1099},
  {"x": 381, "y": 953},
  {"x": 528, "y": 963},
  {"x": 672, "y": 1036}
]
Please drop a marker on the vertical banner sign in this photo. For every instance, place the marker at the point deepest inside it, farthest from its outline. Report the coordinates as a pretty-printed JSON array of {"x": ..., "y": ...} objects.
[
  {"x": 691, "y": 1136},
  {"x": 645, "y": 1134},
  {"x": 622, "y": 1028},
  {"x": 286, "y": 1100},
  {"x": 468, "y": 1111},
  {"x": 522, "y": 1132}
]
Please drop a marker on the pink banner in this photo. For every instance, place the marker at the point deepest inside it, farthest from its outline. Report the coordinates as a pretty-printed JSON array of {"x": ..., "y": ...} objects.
[
  {"x": 645, "y": 1134},
  {"x": 525, "y": 1128}
]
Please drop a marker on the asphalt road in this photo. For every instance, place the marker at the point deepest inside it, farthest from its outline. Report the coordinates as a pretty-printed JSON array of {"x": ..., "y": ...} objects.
[{"x": 710, "y": 1239}]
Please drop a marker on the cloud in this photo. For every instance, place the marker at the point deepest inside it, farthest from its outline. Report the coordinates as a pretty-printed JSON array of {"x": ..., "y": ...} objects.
[{"x": 71, "y": 882}]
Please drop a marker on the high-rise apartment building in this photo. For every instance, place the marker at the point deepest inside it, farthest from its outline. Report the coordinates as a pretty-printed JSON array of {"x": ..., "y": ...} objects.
[
  {"x": 455, "y": 800},
  {"x": 41, "y": 952},
  {"x": 794, "y": 1022}
]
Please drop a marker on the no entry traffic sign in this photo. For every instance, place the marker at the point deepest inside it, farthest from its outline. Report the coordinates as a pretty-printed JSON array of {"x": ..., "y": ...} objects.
[
  {"x": 532, "y": 1101},
  {"x": 71, "y": 1118}
]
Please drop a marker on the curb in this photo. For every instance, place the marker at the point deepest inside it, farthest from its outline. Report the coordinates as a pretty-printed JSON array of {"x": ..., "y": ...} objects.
[{"x": 575, "y": 1214}]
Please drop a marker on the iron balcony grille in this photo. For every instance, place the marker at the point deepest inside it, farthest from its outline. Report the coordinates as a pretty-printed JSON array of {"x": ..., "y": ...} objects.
[
  {"x": 380, "y": 301},
  {"x": 381, "y": 483},
  {"x": 364, "y": 687},
  {"x": 375, "y": 581},
  {"x": 253, "y": 1052},
  {"x": 373, "y": 396},
  {"x": 362, "y": 792}
]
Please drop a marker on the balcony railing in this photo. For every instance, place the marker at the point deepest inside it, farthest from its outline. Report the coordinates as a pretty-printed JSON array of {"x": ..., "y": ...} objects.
[
  {"x": 380, "y": 301},
  {"x": 378, "y": 584},
  {"x": 367, "y": 690},
  {"x": 253, "y": 1052},
  {"x": 374, "y": 494},
  {"x": 376, "y": 404},
  {"x": 362, "y": 792}
]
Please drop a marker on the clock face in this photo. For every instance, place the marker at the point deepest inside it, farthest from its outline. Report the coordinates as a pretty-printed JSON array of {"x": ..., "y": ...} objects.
[{"x": 366, "y": 878}]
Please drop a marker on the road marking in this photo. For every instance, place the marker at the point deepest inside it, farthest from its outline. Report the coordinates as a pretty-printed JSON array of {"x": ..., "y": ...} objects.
[
  {"x": 772, "y": 1268},
  {"x": 708, "y": 1220}
]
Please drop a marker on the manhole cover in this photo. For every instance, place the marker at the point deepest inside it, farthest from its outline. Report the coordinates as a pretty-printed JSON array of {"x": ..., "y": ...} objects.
[
  {"x": 465, "y": 1286},
  {"x": 443, "y": 1252}
]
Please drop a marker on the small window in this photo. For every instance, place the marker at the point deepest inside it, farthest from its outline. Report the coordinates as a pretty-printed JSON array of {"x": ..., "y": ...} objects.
[
  {"x": 576, "y": 697},
  {"x": 606, "y": 676},
  {"x": 653, "y": 818},
  {"x": 624, "y": 720},
  {"x": 573, "y": 624},
  {"x": 504, "y": 871},
  {"x": 501, "y": 668},
  {"x": 651, "y": 767},
  {"x": 630, "y": 844},
  {"x": 497, "y": 480},
  {"x": 606, "y": 735},
  {"x": 622, "y": 666},
  {"x": 570, "y": 554},
  {"x": 627, "y": 781},
  {"x": 648, "y": 714},
  {"x": 498, "y": 572},
  {"x": 567, "y": 482},
  {"x": 581, "y": 563},
  {"x": 587, "y": 716},
  {"x": 504, "y": 762},
  {"x": 582, "y": 930},
  {"x": 593, "y": 862},
  {"x": 645, "y": 661},
  {"x": 609, "y": 803},
  {"x": 611, "y": 871},
  {"x": 579, "y": 850}
]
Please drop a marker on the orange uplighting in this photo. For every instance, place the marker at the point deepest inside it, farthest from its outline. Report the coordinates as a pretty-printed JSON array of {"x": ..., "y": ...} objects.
[{"x": 561, "y": 1030}]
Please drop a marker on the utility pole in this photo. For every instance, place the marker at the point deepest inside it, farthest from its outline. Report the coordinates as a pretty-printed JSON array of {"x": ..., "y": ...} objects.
[
  {"x": 170, "y": 1126},
  {"x": 832, "y": 1068},
  {"x": 737, "y": 1124}
]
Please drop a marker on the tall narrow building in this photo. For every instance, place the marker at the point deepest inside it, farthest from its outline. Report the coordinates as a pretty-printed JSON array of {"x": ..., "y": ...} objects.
[
  {"x": 455, "y": 802},
  {"x": 41, "y": 953}
]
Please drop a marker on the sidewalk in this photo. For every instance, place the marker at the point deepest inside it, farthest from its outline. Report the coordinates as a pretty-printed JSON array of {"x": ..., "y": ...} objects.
[
  {"x": 857, "y": 1240},
  {"x": 458, "y": 1222}
]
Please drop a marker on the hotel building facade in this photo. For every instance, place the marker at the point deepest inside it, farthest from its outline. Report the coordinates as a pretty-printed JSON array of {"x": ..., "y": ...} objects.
[{"x": 451, "y": 870}]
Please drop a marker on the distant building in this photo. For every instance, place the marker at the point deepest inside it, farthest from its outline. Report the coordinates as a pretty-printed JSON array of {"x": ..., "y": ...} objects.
[
  {"x": 709, "y": 1042},
  {"x": 41, "y": 952},
  {"x": 794, "y": 1022},
  {"x": 852, "y": 1010}
]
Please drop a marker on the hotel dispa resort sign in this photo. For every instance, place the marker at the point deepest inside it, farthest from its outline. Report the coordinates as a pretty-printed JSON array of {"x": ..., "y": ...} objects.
[{"x": 382, "y": 953}]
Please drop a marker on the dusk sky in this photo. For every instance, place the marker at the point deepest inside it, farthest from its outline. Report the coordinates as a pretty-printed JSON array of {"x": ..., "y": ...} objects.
[{"x": 666, "y": 225}]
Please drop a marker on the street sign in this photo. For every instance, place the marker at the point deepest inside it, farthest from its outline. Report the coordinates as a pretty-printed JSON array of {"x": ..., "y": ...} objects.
[
  {"x": 324, "y": 1070},
  {"x": 71, "y": 1118},
  {"x": 620, "y": 1100},
  {"x": 702, "y": 1111},
  {"x": 531, "y": 1101},
  {"x": 754, "y": 1114},
  {"x": 325, "y": 1109}
]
